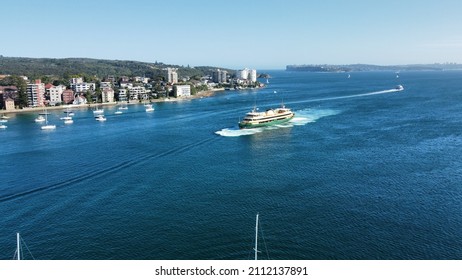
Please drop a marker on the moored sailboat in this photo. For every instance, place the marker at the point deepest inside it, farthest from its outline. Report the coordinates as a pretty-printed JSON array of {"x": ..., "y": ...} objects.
[
  {"x": 47, "y": 126},
  {"x": 18, "y": 255}
]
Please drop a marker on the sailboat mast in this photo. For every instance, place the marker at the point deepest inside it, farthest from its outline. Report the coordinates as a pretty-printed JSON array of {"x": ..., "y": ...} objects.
[
  {"x": 256, "y": 238},
  {"x": 18, "y": 246}
]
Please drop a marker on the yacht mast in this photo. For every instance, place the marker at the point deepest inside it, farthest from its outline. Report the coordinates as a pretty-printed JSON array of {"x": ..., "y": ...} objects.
[
  {"x": 256, "y": 238},
  {"x": 18, "y": 246}
]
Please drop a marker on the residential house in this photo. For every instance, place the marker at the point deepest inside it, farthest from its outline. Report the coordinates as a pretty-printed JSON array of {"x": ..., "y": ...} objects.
[{"x": 8, "y": 92}]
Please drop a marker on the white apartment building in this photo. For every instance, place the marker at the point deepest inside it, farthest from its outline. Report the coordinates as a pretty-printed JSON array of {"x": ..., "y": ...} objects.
[
  {"x": 137, "y": 93},
  {"x": 56, "y": 93},
  {"x": 172, "y": 75},
  {"x": 182, "y": 90},
  {"x": 247, "y": 74},
  {"x": 219, "y": 76},
  {"x": 83, "y": 87},
  {"x": 36, "y": 94}
]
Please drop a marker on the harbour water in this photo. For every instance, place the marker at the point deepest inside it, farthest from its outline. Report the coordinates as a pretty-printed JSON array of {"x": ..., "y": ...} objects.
[{"x": 361, "y": 172}]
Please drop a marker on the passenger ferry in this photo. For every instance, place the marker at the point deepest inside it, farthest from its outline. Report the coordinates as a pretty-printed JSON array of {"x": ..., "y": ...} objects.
[{"x": 269, "y": 117}]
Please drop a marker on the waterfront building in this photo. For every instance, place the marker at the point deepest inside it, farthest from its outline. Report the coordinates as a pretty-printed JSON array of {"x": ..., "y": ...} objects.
[
  {"x": 182, "y": 90},
  {"x": 79, "y": 100},
  {"x": 83, "y": 87},
  {"x": 36, "y": 94},
  {"x": 123, "y": 94},
  {"x": 219, "y": 76},
  {"x": 9, "y": 104},
  {"x": 253, "y": 75},
  {"x": 242, "y": 74},
  {"x": 8, "y": 92},
  {"x": 172, "y": 75},
  {"x": 249, "y": 75},
  {"x": 55, "y": 93},
  {"x": 68, "y": 96},
  {"x": 137, "y": 93},
  {"x": 107, "y": 95}
]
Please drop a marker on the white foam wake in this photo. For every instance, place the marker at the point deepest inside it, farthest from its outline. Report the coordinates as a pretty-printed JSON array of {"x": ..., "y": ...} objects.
[
  {"x": 235, "y": 132},
  {"x": 302, "y": 117}
]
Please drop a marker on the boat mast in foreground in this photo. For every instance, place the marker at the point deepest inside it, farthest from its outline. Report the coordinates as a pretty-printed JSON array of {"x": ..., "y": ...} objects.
[{"x": 256, "y": 238}]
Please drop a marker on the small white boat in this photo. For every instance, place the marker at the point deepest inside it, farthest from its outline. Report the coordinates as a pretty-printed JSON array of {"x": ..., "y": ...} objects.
[
  {"x": 98, "y": 111},
  {"x": 67, "y": 119},
  {"x": 48, "y": 127},
  {"x": 399, "y": 87},
  {"x": 100, "y": 118},
  {"x": 2, "y": 126},
  {"x": 4, "y": 117},
  {"x": 118, "y": 112},
  {"x": 123, "y": 106},
  {"x": 40, "y": 118},
  {"x": 69, "y": 113},
  {"x": 149, "y": 107},
  {"x": 3, "y": 121}
]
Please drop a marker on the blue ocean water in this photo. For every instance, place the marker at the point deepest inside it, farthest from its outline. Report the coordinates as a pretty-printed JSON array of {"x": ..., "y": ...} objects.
[{"x": 361, "y": 172}]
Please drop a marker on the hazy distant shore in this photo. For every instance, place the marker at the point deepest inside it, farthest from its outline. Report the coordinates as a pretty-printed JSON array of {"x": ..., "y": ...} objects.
[{"x": 91, "y": 105}]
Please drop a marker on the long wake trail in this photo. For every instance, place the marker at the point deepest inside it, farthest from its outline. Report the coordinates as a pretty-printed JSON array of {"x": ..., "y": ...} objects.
[{"x": 349, "y": 96}]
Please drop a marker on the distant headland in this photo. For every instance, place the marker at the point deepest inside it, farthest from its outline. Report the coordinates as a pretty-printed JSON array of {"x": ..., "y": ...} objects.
[{"x": 370, "y": 67}]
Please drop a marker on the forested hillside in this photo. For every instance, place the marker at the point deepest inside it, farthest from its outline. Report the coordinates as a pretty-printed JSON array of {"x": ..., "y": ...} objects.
[{"x": 67, "y": 67}]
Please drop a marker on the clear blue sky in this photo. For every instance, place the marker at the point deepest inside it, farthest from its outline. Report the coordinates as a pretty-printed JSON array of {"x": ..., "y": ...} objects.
[{"x": 236, "y": 34}]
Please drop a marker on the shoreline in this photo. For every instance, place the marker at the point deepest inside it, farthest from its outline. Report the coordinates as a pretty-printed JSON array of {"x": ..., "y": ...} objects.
[{"x": 200, "y": 94}]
